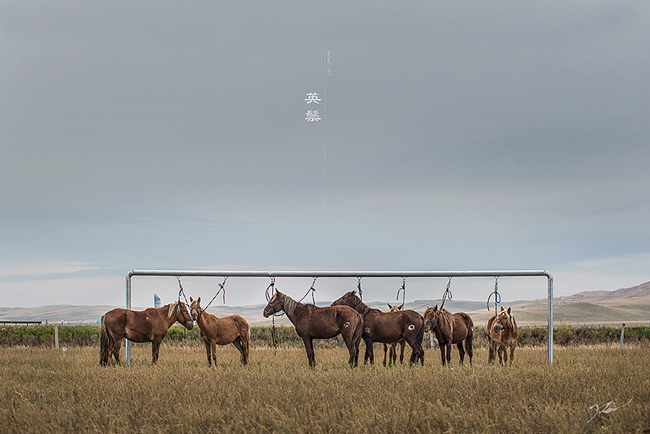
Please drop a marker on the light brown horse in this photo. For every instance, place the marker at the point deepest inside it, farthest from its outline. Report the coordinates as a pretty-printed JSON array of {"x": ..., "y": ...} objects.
[
  {"x": 502, "y": 335},
  {"x": 313, "y": 322},
  {"x": 392, "y": 353},
  {"x": 231, "y": 329},
  {"x": 149, "y": 325},
  {"x": 450, "y": 329},
  {"x": 387, "y": 327}
]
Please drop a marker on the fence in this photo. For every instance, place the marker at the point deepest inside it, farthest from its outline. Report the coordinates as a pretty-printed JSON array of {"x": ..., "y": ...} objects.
[{"x": 357, "y": 274}]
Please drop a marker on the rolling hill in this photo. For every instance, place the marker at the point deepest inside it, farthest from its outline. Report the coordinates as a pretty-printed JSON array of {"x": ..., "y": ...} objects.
[{"x": 626, "y": 305}]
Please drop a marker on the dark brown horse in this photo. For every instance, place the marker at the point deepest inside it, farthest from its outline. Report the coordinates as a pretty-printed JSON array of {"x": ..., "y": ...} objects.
[
  {"x": 387, "y": 327},
  {"x": 450, "y": 329},
  {"x": 149, "y": 325},
  {"x": 392, "y": 352},
  {"x": 502, "y": 335},
  {"x": 231, "y": 329},
  {"x": 313, "y": 322}
]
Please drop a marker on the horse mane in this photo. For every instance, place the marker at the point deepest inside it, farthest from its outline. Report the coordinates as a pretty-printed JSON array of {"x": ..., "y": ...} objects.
[
  {"x": 289, "y": 304},
  {"x": 172, "y": 309},
  {"x": 447, "y": 321}
]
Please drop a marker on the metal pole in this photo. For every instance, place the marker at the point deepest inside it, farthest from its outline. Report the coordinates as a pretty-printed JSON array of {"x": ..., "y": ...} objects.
[
  {"x": 357, "y": 274},
  {"x": 127, "y": 344},
  {"x": 550, "y": 318},
  {"x": 56, "y": 337}
]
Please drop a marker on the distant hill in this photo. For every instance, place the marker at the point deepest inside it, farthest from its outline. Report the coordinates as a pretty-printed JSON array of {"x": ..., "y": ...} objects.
[{"x": 626, "y": 305}]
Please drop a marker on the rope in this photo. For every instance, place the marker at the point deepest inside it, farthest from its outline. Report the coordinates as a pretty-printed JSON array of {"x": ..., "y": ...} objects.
[
  {"x": 402, "y": 289},
  {"x": 274, "y": 338},
  {"x": 271, "y": 287},
  {"x": 497, "y": 296},
  {"x": 447, "y": 295},
  {"x": 359, "y": 289},
  {"x": 312, "y": 290},
  {"x": 222, "y": 287}
]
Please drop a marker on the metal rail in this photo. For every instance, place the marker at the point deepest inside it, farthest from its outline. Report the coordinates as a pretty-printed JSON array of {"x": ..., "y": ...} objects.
[{"x": 357, "y": 274}]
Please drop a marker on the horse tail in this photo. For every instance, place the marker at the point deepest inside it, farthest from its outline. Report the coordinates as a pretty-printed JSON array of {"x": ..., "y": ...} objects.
[
  {"x": 356, "y": 336},
  {"x": 105, "y": 342}
]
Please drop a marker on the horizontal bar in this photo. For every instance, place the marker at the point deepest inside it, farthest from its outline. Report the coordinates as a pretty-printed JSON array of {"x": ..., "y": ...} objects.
[{"x": 324, "y": 273}]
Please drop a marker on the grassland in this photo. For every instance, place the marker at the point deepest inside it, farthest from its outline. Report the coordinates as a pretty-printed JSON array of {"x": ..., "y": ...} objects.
[{"x": 48, "y": 390}]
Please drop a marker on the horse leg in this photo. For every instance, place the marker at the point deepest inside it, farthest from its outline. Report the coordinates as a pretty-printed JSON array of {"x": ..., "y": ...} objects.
[
  {"x": 353, "y": 349},
  {"x": 503, "y": 353},
  {"x": 155, "y": 349},
  {"x": 213, "y": 346},
  {"x": 442, "y": 351},
  {"x": 366, "y": 356},
  {"x": 461, "y": 352},
  {"x": 469, "y": 348},
  {"x": 449, "y": 352},
  {"x": 237, "y": 343},
  {"x": 309, "y": 347},
  {"x": 512, "y": 352},
  {"x": 385, "y": 352},
  {"x": 402, "y": 345},
  {"x": 370, "y": 351},
  {"x": 116, "y": 350},
  {"x": 207, "y": 350}
]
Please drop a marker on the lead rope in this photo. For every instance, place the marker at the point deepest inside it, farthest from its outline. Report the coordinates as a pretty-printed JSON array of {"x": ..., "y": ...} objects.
[
  {"x": 497, "y": 296},
  {"x": 182, "y": 291},
  {"x": 222, "y": 287},
  {"x": 312, "y": 290},
  {"x": 447, "y": 295},
  {"x": 268, "y": 295}
]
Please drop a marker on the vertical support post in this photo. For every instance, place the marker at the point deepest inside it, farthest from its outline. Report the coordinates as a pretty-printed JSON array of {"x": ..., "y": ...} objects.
[
  {"x": 127, "y": 344},
  {"x": 622, "y": 334},
  {"x": 550, "y": 319},
  {"x": 56, "y": 337}
]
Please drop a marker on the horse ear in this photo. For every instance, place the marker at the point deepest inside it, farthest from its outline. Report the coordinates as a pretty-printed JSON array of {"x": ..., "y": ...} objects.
[
  {"x": 198, "y": 300},
  {"x": 389, "y": 306},
  {"x": 400, "y": 306},
  {"x": 508, "y": 310},
  {"x": 191, "y": 299},
  {"x": 502, "y": 308}
]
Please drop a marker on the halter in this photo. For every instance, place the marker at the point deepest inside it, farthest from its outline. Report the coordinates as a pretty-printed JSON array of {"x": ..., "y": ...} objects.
[{"x": 447, "y": 295}]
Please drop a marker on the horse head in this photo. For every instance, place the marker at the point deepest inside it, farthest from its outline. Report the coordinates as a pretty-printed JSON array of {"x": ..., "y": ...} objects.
[
  {"x": 348, "y": 299},
  {"x": 503, "y": 320},
  {"x": 392, "y": 308},
  {"x": 274, "y": 305},
  {"x": 182, "y": 315},
  {"x": 431, "y": 315},
  {"x": 195, "y": 308}
]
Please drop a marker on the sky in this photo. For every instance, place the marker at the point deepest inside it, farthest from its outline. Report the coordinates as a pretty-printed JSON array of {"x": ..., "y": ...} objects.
[{"x": 449, "y": 135}]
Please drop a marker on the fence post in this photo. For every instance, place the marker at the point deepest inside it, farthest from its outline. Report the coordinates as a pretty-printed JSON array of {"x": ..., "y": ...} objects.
[
  {"x": 56, "y": 337},
  {"x": 622, "y": 333}
]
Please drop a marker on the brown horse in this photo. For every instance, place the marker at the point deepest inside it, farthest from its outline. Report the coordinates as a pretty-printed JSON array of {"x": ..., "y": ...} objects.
[
  {"x": 392, "y": 353},
  {"x": 502, "y": 333},
  {"x": 232, "y": 329},
  {"x": 450, "y": 329},
  {"x": 149, "y": 325},
  {"x": 312, "y": 322},
  {"x": 387, "y": 327}
]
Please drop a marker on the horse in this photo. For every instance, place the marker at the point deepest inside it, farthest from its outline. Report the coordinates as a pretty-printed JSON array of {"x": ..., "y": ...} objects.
[
  {"x": 502, "y": 332},
  {"x": 450, "y": 329},
  {"x": 149, "y": 325},
  {"x": 392, "y": 354},
  {"x": 313, "y": 322},
  {"x": 232, "y": 329},
  {"x": 387, "y": 327}
]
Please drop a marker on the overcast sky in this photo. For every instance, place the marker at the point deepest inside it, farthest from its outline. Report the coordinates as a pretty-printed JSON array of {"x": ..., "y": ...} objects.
[{"x": 453, "y": 135}]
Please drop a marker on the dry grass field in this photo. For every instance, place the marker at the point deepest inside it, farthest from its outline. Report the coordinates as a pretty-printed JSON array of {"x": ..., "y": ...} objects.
[{"x": 48, "y": 390}]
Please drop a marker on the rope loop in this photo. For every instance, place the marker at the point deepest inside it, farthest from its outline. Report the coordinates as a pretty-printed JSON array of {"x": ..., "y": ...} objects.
[
  {"x": 497, "y": 296},
  {"x": 402, "y": 289},
  {"x": 269, "y": 289}
]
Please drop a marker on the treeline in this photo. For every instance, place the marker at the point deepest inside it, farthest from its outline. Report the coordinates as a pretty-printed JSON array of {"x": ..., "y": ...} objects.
[{"x": 286, "y": 337}]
